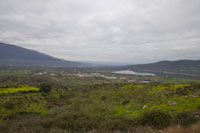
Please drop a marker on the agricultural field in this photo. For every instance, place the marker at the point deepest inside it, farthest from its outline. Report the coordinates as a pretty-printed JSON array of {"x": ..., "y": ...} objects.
[{"x": 14, "y": 72}]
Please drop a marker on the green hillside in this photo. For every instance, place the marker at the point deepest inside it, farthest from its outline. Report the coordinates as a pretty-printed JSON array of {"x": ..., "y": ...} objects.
[{"x": 183, "y": 68}]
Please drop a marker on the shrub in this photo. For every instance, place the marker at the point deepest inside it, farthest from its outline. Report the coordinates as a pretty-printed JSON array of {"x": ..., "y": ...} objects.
[
  {"x": 124, "y": 102},
  {"x": 156, "y": 119},
  {"x": 19, "y": 115},
  {"x": 103, "y": 98},
  {"x": 118, "y": 123},
  {"x": 45, "y": 87},
  {"x": 185, "y": 119},
  {"x": 9, "y": 105},
  {"x": 182, "y": 91}
]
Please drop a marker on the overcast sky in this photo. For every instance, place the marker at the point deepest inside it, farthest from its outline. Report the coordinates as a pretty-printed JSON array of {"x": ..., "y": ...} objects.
[{"x": 129, "y": 31}]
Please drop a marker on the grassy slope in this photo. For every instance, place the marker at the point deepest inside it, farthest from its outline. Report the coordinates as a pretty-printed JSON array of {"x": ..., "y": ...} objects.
[
  {"x": 85, "y": 104},
  {"x": 100, "y": 106}
]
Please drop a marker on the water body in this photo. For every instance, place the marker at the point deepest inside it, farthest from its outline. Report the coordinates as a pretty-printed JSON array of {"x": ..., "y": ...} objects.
[{"x": 133, "y": 73}]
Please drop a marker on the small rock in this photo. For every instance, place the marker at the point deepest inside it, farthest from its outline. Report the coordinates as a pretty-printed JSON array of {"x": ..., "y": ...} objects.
[
  {"x": 144, "y": 107},
  {"x": 197, "y": 116},
  {"x": 171, "y": 103}
]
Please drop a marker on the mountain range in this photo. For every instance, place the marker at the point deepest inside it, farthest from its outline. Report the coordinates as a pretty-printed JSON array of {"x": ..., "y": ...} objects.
[
  {"x": 13, "y": 55},
  {"x": 17, "y": 56},
  {"x": 187, "y": 68}
]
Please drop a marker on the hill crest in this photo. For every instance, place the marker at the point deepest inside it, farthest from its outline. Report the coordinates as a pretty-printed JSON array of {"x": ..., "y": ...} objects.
[{"x": 15, "y": 55}]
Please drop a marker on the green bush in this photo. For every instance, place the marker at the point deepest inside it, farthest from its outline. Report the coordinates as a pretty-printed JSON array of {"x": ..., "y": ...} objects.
[
  {"x": 9, "y": 105},
  {"x": 185, "y": 119},
  {"x": 182, "y": 91},
  {"x": 19, "y": 115},
  {"x": 45, "y": 87},
  {"x": 74, "y": 121},
  {"x": 156, "y": 119},
  {"x": 118, "y": 123},
  {"x": 124, "y": 102}
]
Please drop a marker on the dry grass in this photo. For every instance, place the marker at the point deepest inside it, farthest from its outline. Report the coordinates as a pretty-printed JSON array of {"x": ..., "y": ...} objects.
[
  {"x": 178, "y": 129},
  {"x": 134, "y": 130}
]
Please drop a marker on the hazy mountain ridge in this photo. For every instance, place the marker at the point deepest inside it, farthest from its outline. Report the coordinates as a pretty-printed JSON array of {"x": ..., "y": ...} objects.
[
  {"x": 185, "y": 67},
  {"x": 14, "y": 55}
]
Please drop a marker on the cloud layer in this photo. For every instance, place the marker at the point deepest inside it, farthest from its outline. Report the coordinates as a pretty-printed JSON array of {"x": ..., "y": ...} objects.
[{"x": 130, "y": 31}]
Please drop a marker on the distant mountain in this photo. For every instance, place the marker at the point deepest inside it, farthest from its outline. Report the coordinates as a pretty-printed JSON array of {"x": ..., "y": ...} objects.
[
  {"x": 180, "y": 67},
  {"x": 17, "y": 56}
]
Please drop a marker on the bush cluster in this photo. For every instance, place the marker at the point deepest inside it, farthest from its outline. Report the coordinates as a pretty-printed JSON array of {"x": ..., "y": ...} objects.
[
  {"x": 155, "y": 118},
  {"x": 185, "y": 119},
  {"x": 45, "y": 87}
]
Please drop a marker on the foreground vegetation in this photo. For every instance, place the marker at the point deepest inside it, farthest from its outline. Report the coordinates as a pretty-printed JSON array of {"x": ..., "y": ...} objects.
[{"x": 42, "y": 103}]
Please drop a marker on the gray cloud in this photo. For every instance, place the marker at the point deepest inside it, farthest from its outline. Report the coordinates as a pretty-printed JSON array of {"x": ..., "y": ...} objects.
[{"x": 132, "y": 31}]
